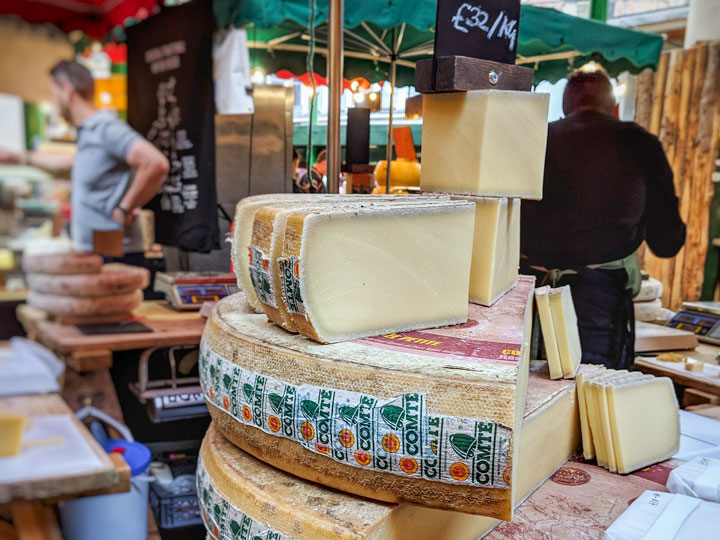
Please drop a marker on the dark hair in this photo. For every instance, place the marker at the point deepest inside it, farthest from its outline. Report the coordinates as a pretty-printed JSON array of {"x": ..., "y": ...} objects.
[
  {"x": 592, "y": 89},
  {"x": 322, "y": 156},
  {"x": 296, "y": 154},
  {"x": 76, "y": 75}
]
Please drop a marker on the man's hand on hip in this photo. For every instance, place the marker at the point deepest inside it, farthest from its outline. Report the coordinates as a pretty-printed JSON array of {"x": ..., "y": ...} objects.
[{"x": 125, "y": 218}]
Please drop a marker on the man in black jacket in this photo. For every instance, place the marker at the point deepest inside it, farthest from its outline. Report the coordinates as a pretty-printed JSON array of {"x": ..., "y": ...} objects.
[{"x": 608, "y": 186}]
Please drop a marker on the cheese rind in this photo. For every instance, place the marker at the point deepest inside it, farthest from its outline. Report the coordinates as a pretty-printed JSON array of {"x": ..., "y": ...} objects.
[
  {"x": 496, "y": 248},
  {"x": 111, "y": 280},
  {"x": 475, "y": 371},
  {"x": 294, "y": 507},
  {"x": 484, "y": 142},
  {"x": 62, "y": 263},
  {"x": 542, "y": 298},
  {"x": 98, "y": 305},
  {"x": 566, "y": 330},
  {"x": 370, "y": 271}
]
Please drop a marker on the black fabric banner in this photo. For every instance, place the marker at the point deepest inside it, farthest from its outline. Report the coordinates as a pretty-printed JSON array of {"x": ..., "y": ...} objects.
[{"x": 171, "y": 103}]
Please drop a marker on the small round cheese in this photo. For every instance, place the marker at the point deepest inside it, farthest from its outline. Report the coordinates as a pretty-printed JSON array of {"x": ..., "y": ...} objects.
[
  {"x": 114, "y": 279},
  {"x": 70, "y": 305},
  {"x": 62, "y": 263}
]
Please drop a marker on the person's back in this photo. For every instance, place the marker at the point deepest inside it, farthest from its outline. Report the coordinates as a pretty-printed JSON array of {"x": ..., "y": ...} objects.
[{"x": 607, "y": 187}]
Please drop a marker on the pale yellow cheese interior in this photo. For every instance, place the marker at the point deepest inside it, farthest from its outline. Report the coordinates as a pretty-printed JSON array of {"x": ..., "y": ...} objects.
[
  {"x": 381, "y": 270},
  {"x": 484, "y": 142},
  {"x": 566, "y": 330},
  {"x": 645, "y": 422},
  {"x": 496, "y": 248},
  {"x": 11, "y": 428},
  {"x": 542, "y": 299}
]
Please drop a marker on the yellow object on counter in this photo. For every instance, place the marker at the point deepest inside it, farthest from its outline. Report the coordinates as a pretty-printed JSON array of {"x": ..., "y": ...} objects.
[
  {"x": 402, "y": 173},
  {"x": 7, "y": 259},
  {"x": 11, "y": 428}
]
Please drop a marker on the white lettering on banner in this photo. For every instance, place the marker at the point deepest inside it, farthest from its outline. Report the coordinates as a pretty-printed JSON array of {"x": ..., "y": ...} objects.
[
  {"x": 175, "y": 196},
  {"x": 470, "y": 17}
]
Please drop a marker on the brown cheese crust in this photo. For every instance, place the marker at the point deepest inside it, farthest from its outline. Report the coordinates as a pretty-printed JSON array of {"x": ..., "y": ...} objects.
[
  {"x": 62, "y": 263},
  {"x": 113, "y": 279},
  {"x": 69, "y": 305}
]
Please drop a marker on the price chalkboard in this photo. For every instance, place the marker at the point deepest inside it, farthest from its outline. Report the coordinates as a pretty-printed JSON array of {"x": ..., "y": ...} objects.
[{"x": 485, "y": 29}]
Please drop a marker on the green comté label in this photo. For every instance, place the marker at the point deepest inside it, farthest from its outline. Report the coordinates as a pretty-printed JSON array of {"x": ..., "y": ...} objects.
[
  {"x": 223, "y": 520},
  {"x": 290, "y": 274},
  {"x": 260, "y": 276},
  {"x": 396, "y": 435}
]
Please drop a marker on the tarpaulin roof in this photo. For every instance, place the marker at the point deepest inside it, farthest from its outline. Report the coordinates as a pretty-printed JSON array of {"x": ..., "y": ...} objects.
[{"x": 550, "y": 41}]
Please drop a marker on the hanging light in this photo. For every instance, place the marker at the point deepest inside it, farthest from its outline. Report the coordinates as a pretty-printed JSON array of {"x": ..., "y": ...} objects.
[
  {"x": 354, "y": 86},
  {"x": 359, "y": 97},
  {"x": 591, "y": 67},
  {"x": 372, "y": 96}
]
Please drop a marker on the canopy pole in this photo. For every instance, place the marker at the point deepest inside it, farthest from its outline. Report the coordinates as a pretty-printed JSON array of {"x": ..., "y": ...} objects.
[
  {"x": 335, "y": 89},
  {"x": 389, "y": 148}
]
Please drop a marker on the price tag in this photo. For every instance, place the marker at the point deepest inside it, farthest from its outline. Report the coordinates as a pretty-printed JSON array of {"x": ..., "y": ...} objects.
[{"x": 485, "y": 29}]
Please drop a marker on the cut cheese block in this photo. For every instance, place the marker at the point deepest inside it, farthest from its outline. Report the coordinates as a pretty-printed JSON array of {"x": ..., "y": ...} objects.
[
  {"x": 566, "y": 330},
  {"x": 425, "y": 417},
  {"x": 113, "y": 279},
  {"x": 243, "y": 228},
  {"x": 496, "y": 248},
  {"x": 357, "y": 272},
  {"x": 484, "y": 142},
  {"x": 542, "y": 298},
  {"x": 650, "y": 289},
  {"x": 71, "y": 305},
  {"x": 263, "y": 498},
  {"x": 694, "y": 365},
  {"x": 645, "y": 423},
  {"x": 62, "y": 263},
  {"x": 648, "y": 311},
  {"x": 11, "y": 429}
]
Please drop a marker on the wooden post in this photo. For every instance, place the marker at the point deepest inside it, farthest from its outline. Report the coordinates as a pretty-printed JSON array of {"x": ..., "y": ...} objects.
[
  {"x": 658, "y": 93},
  {"x": 643, "y": 97}
]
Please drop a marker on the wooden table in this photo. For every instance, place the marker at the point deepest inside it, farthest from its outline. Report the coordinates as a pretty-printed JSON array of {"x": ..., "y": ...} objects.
[
  {"x": 704, "y": 352},
  {"x": 88, "y": 353},
  {"x": 112, "y": 476}
]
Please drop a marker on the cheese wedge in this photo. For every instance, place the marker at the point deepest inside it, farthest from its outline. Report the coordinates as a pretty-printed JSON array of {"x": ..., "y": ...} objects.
[
  {"x": 367, "y": 271},
  {"x": 484, "y": 142},
  {"x": 566, "y": 330},
  {"x": 261, "y": 498},
  {"x": 496, "y": 248},
  {"x": 11, "y": 428},
  {"x": 352, "y": 415},
  {"x": 542, "y": 298},
  {"x": 645, "y": 422}
]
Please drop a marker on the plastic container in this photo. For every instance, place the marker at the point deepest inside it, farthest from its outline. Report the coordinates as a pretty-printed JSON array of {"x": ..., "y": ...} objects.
[
  {"x": 174, "y": 509},
  {"x": 121, "y": 516}
]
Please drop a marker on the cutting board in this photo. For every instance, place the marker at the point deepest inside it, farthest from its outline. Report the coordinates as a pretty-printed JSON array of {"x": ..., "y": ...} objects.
[{"x": 654, "y": 338}]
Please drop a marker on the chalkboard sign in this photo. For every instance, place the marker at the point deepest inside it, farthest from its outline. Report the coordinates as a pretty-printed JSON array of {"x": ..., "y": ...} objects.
[
  {"x": 171, "y": 103},
  {"x": 486, "y": 29},
  {"x": 357, "y": 137}
]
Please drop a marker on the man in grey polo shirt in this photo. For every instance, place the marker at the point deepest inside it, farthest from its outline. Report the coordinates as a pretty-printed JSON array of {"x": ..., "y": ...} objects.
[{"x": 115, "y": 172}]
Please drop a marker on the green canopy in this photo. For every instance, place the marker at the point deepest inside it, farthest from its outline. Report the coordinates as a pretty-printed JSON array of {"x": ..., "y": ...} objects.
[{"x": 549, "y": 41}]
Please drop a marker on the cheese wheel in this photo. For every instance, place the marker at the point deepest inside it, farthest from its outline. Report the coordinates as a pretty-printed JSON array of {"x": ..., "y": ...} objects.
[
  {"x": 113, "y": 279},
  {"x": 71, "y": 305},
  {"x": 425, "y": 417},
  {"x": 62, "y": 263}
]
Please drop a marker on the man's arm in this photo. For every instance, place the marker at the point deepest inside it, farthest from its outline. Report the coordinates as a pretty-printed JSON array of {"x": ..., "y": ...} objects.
[
  {"x": 53, "y": 162},
  {"x": 664, "y": 228},
  {"x": 151, "y": 168}
]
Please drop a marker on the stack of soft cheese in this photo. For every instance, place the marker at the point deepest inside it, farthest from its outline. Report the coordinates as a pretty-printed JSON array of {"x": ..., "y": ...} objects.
[
  {"x": 558, "y": 322},
  {"x": 648, "y": 303},
  {"x": 336, "y": 268},
  {"x": 487, "y": 147},
  {"x": 80, "y": 286},
  {"x": 628, "y": 420}
]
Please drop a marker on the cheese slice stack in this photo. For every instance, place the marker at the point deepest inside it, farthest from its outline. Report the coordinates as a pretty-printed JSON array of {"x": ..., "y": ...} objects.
[
  {"x": 629, "y": 420},
  {"x": 262, "y": 498},
  {"x": 365, "y": 271},
  {"x": 424, "y": 417},
  {"x": 496, "y": 248},
  {"x": 558, "y": 322},
  {"x": 484, "y": 142}
]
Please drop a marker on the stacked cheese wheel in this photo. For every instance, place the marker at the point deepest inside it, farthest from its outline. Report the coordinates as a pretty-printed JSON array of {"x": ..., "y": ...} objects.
[
  {"x": 80, "y": 285},
  {"x": 648, "y": 302}
]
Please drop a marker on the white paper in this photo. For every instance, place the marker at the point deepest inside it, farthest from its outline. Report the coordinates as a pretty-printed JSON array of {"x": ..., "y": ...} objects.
[
  {"x": 25, "y": 369},
  {"x": 72, "y": 456},
  {"x": 231, "y": 67},
  {"x": 12, "y": 127}
]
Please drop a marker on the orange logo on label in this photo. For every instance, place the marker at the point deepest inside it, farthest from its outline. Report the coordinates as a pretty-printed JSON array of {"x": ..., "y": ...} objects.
[
  {"x": 250, "y": 255},
  {"x": 433, "y": 447},
  {"x": 212, "y": 393},
  {"x": 216, "y": 532},
  {"x": 322, "y": 448},
  {"x": 247, "y": 413},
  {"x": 391, "y": 443},
  {"x": 347, "y": 439},
  {"x": 363, "y": 458},
  {"x": 204, "y": 514},
  {"x": 408, "y": 465},
  {"x": 459, "y": 471},
  {"x": 296, "y": 269},
  {"x": 308, "y": 431},
  {"x": 507, "y": 475},
  {"x": 226, "y": 403},
  {"x": 274, "y": 423},
  {"x": 265, "y": 264},
  {"x": 570, "y": 476}
]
